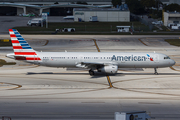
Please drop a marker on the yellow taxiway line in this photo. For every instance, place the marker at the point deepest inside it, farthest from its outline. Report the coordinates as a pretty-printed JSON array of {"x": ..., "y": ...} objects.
[
  {"x": 142, "y": 42},
  {"x": 109, "y": 81},
  {"x": 174, "y": 69},
  {"x": 11, "y": 87},
  {"x": 108, "y": 78},
  {"x": 96, "y": 45}
]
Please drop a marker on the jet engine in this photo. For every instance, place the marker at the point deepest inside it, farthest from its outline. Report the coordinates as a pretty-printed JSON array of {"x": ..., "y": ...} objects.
[{"x": 109, "y": 69}]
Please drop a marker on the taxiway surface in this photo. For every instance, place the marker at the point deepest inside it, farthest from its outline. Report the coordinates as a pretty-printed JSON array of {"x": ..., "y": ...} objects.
[{"x": 34, "y": 92}]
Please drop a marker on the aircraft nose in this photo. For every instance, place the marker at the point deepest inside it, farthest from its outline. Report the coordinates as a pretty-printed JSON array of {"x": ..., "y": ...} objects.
[{"x": 172, "y": 62}]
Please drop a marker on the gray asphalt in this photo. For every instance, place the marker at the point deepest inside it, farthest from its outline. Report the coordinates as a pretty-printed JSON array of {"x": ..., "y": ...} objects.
[{"x": 29, "y": 92}]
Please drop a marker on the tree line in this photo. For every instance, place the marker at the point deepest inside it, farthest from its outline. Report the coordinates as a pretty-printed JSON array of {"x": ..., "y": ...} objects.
[{"x": 144, "y": 6}]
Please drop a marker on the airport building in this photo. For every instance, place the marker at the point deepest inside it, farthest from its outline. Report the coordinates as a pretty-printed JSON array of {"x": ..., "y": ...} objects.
[
  {"x": 97, "y": 2},
  {"x": 171, "y": 17},
  {"x": 101, "y": 15},
  {"x": 170, "y": 1},
  {"x": 52, "y": 7}
]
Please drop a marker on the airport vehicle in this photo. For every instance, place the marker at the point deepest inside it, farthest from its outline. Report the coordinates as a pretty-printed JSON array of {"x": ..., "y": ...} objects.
[
  {"x": 36, "y": 22},
  {"x": 175, "y": 27},
  {"x": 27, "y": 15},
  {"x": 107, "y": 62},
  {"x": 93, "y": 19},
  {"x": 157, "y": 23},
  {"x": 173, "y": 24},
  {"x": 68, "y": 29},
  {"x": 123, "y": 28},
  {"x": 68, "y": 17},
  {"x": 138, "y": 115}
]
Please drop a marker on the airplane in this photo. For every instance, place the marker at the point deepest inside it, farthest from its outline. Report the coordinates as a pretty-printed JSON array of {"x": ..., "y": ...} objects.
[{"x": 106, "y": 62}]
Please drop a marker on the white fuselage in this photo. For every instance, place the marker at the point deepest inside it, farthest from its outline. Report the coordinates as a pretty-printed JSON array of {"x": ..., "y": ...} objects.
[
  {"x": 122, "y": 60},
  {"x": 101, "y": 61}
]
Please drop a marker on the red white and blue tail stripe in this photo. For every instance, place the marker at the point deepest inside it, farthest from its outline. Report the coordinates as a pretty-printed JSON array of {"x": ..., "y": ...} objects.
[{"x": 22, "y": 50}]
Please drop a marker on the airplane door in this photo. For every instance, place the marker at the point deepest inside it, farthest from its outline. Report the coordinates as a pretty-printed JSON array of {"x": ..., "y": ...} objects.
[{"x": 156, "y": 58}]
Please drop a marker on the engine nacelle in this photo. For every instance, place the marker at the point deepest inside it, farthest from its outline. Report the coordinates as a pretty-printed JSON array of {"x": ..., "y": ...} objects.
[{"x": 109, "y": 69}]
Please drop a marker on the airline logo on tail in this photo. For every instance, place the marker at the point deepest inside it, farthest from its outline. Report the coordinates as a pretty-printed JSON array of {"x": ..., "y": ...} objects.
[{"x": 22, "y": 50}]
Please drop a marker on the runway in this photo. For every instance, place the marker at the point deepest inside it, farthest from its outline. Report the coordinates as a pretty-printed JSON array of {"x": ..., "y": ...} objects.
[{"x": 34, "y": 92}]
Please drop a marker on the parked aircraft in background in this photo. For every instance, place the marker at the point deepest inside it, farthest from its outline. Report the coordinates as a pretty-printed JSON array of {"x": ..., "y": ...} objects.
[{"x": 107, "y": 62}]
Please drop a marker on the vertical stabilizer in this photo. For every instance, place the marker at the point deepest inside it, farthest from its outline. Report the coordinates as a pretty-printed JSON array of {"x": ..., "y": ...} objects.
[{"x": 22, "y": 50}]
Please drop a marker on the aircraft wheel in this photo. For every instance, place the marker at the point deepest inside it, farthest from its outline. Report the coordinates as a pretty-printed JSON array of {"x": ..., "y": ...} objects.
[
  {"x": 91, "y": 72},
  {"x": 156, "y": 73}
]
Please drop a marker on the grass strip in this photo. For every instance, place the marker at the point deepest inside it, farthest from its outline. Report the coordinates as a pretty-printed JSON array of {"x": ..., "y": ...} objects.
[
  {"x": 5, "y": 42},
  {"x": 175, "y": 42},
  {"x": 92, "y": 28},
  {"x": 85, "y": 26},
  {"x": 3, "y": 62},
  {"x": 97, "y": 33}
]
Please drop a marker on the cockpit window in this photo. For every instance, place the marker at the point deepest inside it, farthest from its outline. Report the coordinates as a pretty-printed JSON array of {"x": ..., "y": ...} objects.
[{"x": 167, "y": 57}]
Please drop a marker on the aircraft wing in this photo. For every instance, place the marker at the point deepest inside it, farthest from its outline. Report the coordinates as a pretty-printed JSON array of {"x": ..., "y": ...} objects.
[{"x": 93, "y": 64}]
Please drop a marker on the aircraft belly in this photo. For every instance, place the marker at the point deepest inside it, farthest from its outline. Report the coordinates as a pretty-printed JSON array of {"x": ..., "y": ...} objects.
[
  {"x": 71, "y": 63},
  {"x": 55, "y": 63},
  {"x": 133, "y": 64},
  {"x": 141, "y": 64},
  {"x": 51, "y": 63}
]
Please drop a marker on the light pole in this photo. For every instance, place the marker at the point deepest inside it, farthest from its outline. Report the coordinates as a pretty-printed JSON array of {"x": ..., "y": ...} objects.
[{"x": 157, "y": 4}]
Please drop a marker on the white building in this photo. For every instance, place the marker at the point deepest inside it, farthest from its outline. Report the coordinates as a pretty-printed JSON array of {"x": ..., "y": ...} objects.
[
  {"x": 170, "y": 1},
  {"x": 103, "y": 14},
  {"x": 171, "y": 17},
  {"x": 52, "y": 8}
]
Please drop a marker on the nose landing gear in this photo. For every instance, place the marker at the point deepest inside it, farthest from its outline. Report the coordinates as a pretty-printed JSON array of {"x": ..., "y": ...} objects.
[{"x": 155, "y": 71}]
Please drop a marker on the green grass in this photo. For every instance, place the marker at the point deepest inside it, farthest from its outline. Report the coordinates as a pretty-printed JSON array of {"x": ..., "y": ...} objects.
[
  {"x": 92, "y": 28},
  {"x": 154, "y": 16},
  {"x": 175, "y": 42},
  {"x": 3, "y": 62},
  {"x": 85, "y": 26},
  {"x": 164, "y": 28},
  {"x": 4, "y": 44},
  {"x": 155, "y": 33}
]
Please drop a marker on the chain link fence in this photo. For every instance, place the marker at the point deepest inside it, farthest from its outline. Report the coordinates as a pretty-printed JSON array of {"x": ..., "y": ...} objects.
[{"x": 143, "y": 21}]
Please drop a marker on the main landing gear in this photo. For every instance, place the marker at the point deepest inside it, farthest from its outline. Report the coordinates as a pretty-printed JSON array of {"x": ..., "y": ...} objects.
[
  {"x": 155, "y": 71},
  {"x": 91, "y": 72}
]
